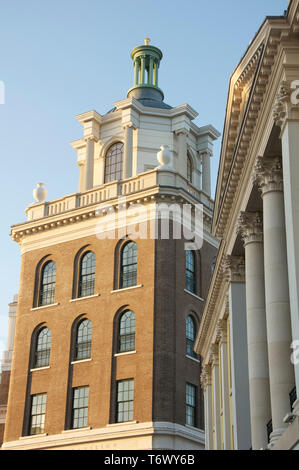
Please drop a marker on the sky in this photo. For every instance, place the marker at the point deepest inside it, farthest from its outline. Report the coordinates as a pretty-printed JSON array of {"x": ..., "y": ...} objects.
[{"x": 60, "y": 58}]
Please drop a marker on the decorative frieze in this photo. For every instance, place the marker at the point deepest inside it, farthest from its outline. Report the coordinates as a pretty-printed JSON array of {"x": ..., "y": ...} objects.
[
  {"x": 267, "y": 174},
  {"x": 250, "y": 227}
]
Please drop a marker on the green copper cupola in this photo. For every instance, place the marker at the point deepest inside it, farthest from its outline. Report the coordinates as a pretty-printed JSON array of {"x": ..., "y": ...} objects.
[{"x": 146, "y": 60}]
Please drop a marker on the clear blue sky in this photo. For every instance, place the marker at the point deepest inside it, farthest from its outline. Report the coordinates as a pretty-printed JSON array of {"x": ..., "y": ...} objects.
[{"x": 60, "y": 58}]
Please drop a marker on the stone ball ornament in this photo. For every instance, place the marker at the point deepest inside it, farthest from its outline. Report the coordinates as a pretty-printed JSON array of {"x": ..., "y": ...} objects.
[
  {"x": 40, "y": 192},
  {"x": 165, "y": 157}
]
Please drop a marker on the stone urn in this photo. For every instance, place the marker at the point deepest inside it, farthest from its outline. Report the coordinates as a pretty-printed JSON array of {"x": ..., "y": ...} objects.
[
  {"x": 40, "y": 192},
  {"x": 165, "y": 158}
]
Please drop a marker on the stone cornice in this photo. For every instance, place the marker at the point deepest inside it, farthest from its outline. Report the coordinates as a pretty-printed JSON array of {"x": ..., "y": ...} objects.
[
  {"x": 234, "y": 154},
  {"x": 250, "y": 227},
  {"x": 156, "y": 194}
]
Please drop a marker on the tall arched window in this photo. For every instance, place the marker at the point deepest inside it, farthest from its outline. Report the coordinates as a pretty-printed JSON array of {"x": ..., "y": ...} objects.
[
  {"x": 190, "y": 336},
  {"x": 191, "y": 271},
  {"x": 47, "y": 284},
  {"x": 42, "y": 348},
  {"x": 126, "y": 333},
  {"x": 87, "y": 274},
  {"x": 128, "y": 268},
  {"x": 114, "y": 162},
  {"x": 83, "y": 340},
  {"x": 189, "y": 168}
]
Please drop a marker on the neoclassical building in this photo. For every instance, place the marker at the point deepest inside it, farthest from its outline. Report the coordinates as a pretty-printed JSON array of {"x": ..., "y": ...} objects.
[
  {"x": 249, "y": 331},
  {"x": 103, "y": 351}
]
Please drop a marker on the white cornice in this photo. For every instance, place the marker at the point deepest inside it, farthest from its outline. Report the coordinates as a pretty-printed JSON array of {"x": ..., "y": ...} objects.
[{"x": 235, "y": 151}]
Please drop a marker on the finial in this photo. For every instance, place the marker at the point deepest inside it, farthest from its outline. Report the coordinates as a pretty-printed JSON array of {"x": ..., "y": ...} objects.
[
  {"x": 40, "y": 192},
  {"x": 146, "y": 41}
]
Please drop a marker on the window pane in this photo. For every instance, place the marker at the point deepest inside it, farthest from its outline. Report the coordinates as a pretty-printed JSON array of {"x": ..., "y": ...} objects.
[
  {"x": 125, "y": 401},
  {"x": 87, "y": 274},
  {"x": 128, "y": 274},
  {"x": 80, "y": 407},
  {"x": 126, "y": 332},
  {"x": 191, "y": 404},
  {"x": 114, "y": 162},
  {"x": 43, "y": 347},
  {"x": 190, "y": 337},
  {"x": 190, "y": 272},
  {"x": 83, "y": 340},
  {"x": 47, "y": 286},
  {"x": 37, "y": 415}
]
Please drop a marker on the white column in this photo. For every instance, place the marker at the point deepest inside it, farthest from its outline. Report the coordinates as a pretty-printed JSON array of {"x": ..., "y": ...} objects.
[
  {"x": 128, "y": 151},
  {"x": 216, "y": 396},
  {"x": 206, "y": 172},
  {"x": 268, "y": 175},
  {"x": 251, "y": 228},
  {"x": 206, "y": 385},
  {"x": 89, "y": 164},
  {"x": 290, "y": 161},
  {"x": 7, "y": 354},
  {"x": 234, "y": 270},
  {"x": 225, "y": 411}
]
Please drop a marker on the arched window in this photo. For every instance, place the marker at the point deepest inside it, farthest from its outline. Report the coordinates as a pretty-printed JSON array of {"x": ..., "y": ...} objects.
[
  {"x": 190, "y": 271},
  {"x": 87, "y": 274},
  {"x": 128, "y": 268},
  {"x": 83, "y": 340},
  {"x": 47, "y": 284},
  {"x": 114, "y": 162},
  {"x": 42, "y": 348},
  {"x": 189, "y": 168},
  {"x": 126, "y": 333},
  {"x": 190, "y": 336}
]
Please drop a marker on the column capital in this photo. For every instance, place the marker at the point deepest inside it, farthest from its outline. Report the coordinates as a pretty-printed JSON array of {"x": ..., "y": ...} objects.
[
  {"x": 90, "y": 137},
  {"x": 182, "y": 130},
  {"x": 267, "y": 174},
  {"x": 221, "y": 331},
  {"x": 128, "y": 124},
  {"x": 250, "y": 227},
  {"x": 206, "y": 377},
  {"x": 285, "y": 104},
  {"x": 205, "y": 153},
  {"x": 214, "y": 354},
  {"x": 234, "y": 268}
]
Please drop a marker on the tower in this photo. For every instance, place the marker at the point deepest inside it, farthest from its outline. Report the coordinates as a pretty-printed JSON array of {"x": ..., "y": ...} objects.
[{"x": 107, "y": 312}]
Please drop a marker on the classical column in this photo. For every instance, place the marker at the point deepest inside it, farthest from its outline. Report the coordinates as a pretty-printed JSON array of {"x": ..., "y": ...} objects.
[
  {"x": 286, "y": 115},
  {"x": 128, "y": 151},
  {"x": 250, "y": 226},
  {"x": 221, "y": 331},
  {"x": 7, "y": 354},
  {"x": 206, "y": 385},
  {"x": 234, "y": 272},
  {"x": 89, "y": 164},
  {"x": 268, "y": 176},
  {"x": 142, "y": 71},
  {"x": 214, "y": 358},
  {"x": 206, "y": 172}
]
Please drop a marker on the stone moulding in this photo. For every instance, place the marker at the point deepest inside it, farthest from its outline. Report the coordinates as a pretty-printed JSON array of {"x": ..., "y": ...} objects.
[{"x": 236, "y": 147}]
